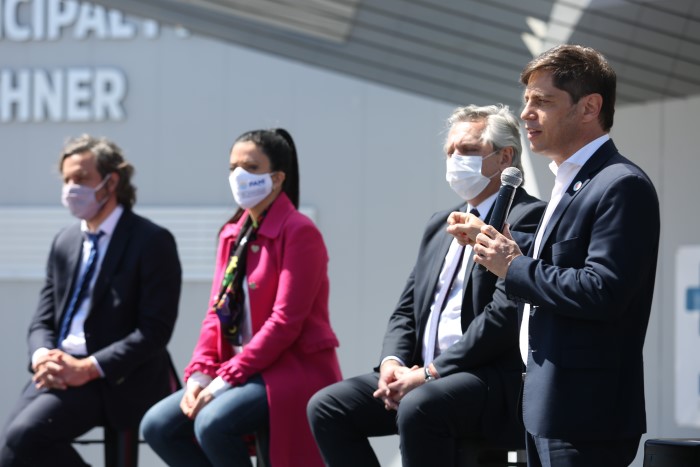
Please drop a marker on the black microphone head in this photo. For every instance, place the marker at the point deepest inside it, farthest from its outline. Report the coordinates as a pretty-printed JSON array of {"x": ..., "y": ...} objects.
[{"x": 512, "y": 176}]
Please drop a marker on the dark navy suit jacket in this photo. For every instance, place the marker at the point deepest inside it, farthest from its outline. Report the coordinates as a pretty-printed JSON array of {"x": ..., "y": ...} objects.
[
  {"x": 132, "y": 312},
  {"x": 591, "y": 290},
  {"x": 489, "y": 320}
]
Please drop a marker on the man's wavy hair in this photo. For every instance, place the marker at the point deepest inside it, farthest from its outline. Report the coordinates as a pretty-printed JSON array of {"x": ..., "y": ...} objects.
[{"x": 109, "y": 158}]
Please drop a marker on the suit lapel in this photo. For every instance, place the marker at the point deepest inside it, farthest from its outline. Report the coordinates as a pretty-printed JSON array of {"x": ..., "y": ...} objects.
[
  {"x": 467, "y": 313},
  {"x": 74, "y": 249},
  {"x": 115, "y": 251},
  {"x": 434, "y": 271},
  {"x": 564, "y": 202},
  {"x": 469, "y": 268},
  {"x": 578, "y": 185}
]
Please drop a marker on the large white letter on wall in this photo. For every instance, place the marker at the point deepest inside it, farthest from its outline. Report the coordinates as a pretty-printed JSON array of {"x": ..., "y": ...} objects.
[
  {"x": 688, "y": 336},
  {"x": 78, "y": 94}
]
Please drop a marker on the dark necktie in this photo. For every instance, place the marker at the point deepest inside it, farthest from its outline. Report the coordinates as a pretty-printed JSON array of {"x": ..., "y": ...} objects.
[
  {"x": 81, "y": 286},
  {"x": 474, "y": 212},
  {"x": 436, "y": 351}
]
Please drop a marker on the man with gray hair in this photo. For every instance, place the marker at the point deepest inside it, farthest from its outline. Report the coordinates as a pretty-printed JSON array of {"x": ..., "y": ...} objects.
[
  {"x": 97, "y": 341},
  {"x": 449, "y": 367}
]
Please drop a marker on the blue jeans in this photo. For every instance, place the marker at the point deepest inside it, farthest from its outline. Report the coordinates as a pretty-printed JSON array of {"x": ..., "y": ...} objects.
[{"x": 215, "y": 436}]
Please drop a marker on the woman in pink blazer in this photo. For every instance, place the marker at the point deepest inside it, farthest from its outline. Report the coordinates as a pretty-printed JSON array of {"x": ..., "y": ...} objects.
[{"x": 266, "y": 344}]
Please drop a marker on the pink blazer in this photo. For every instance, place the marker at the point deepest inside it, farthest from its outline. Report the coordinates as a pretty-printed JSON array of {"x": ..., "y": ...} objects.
[{"x": 293, "y": 345}]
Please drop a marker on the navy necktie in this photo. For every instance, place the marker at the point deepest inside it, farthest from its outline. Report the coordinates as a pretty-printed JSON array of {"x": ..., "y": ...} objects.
[{"x": 81, "y": 286}]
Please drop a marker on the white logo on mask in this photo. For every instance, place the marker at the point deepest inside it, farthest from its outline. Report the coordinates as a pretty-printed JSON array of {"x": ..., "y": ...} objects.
[{"x": 249, "y": 189}]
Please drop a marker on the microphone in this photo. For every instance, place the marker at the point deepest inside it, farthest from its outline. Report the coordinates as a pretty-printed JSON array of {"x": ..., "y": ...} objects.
[{"x": 511, "y": 178}]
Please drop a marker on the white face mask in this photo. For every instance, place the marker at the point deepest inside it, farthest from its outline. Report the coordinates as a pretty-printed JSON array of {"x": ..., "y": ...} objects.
[
  {"x": 81, "y": 200},
  {"x": 464, "y": 175},
  {"x": 249, "y": 189}
]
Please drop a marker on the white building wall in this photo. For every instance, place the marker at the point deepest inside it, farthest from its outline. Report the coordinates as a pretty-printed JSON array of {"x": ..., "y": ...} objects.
[
  {"x": 661, "y": 137},
  {"x": 371, "y": 170}
]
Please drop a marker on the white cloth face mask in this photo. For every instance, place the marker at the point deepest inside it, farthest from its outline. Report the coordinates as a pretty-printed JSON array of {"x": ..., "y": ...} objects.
[
  {"x": 464, "y": 175},
  {"x": 249, "y": 189}
]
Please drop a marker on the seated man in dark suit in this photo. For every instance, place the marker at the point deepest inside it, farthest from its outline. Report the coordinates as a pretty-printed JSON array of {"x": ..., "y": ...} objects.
[
  {"x": 97, "y": 341},
  {"x": 449, "y": 366}
]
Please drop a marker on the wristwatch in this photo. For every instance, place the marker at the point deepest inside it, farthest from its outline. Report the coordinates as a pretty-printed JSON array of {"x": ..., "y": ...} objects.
[{"x": 428, "y": 375}]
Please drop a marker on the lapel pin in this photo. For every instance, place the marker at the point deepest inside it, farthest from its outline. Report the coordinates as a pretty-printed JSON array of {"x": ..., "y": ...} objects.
[{"x": 578, "y": 185}]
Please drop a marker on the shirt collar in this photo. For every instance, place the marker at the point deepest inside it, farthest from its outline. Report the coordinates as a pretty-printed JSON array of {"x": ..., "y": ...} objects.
[
  {"x": 484, "y": 206},
  {"x": 581, "y": 156},
  {"x": 109, "y": 224}
]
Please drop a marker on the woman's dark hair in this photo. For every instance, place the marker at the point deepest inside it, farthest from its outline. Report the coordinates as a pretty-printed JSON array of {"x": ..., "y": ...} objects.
[
  {"x": 277, "y": 144},
  {"x": 279, "y": 147},
  {"x": 109, "y": 158}
]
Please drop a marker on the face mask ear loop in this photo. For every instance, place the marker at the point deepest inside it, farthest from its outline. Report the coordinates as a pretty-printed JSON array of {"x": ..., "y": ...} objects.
[
  {"x": 103, "y": 182},
  {"x": 102, "y": 185},
  {"x": 489, "y": 155}
]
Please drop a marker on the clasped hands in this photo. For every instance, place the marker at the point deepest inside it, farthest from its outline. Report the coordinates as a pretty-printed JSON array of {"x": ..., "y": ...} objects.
[
  {"x": 194, "y": 400},
  {"x": 395, "y": 381},
  {"x": 493, "y": 250},
  {"x": 59, "y": 370}
]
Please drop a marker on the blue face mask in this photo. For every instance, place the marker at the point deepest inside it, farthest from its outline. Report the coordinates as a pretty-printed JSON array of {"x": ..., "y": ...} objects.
[{"x": 82, "y": 200}]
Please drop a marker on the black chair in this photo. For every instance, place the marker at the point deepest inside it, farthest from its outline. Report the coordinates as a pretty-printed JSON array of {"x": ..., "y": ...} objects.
[
  {"x": 672, "y": 452},
  {"x": 121, "y": 447},
  {"x": 260, "y": 448}
]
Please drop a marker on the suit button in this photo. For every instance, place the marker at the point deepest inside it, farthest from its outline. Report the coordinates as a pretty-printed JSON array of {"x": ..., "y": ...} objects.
[
  {"x": 252, "y": 286},
  {"x": 254, "y": 248}
]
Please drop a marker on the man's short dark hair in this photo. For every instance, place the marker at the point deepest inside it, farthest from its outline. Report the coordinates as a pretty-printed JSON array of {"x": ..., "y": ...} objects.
[{"x": 579, "y": 71}]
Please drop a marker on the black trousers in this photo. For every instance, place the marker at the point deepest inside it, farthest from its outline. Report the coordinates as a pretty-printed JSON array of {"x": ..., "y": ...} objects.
[
  {"x": 429, "y": 420},
  {"x": 43, "y": 424}
]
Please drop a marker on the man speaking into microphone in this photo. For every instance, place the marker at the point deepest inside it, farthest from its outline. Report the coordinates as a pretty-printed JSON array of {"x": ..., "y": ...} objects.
[
  {"x": 449, "y": 366},
  {"x": 587, "y": 282}
]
